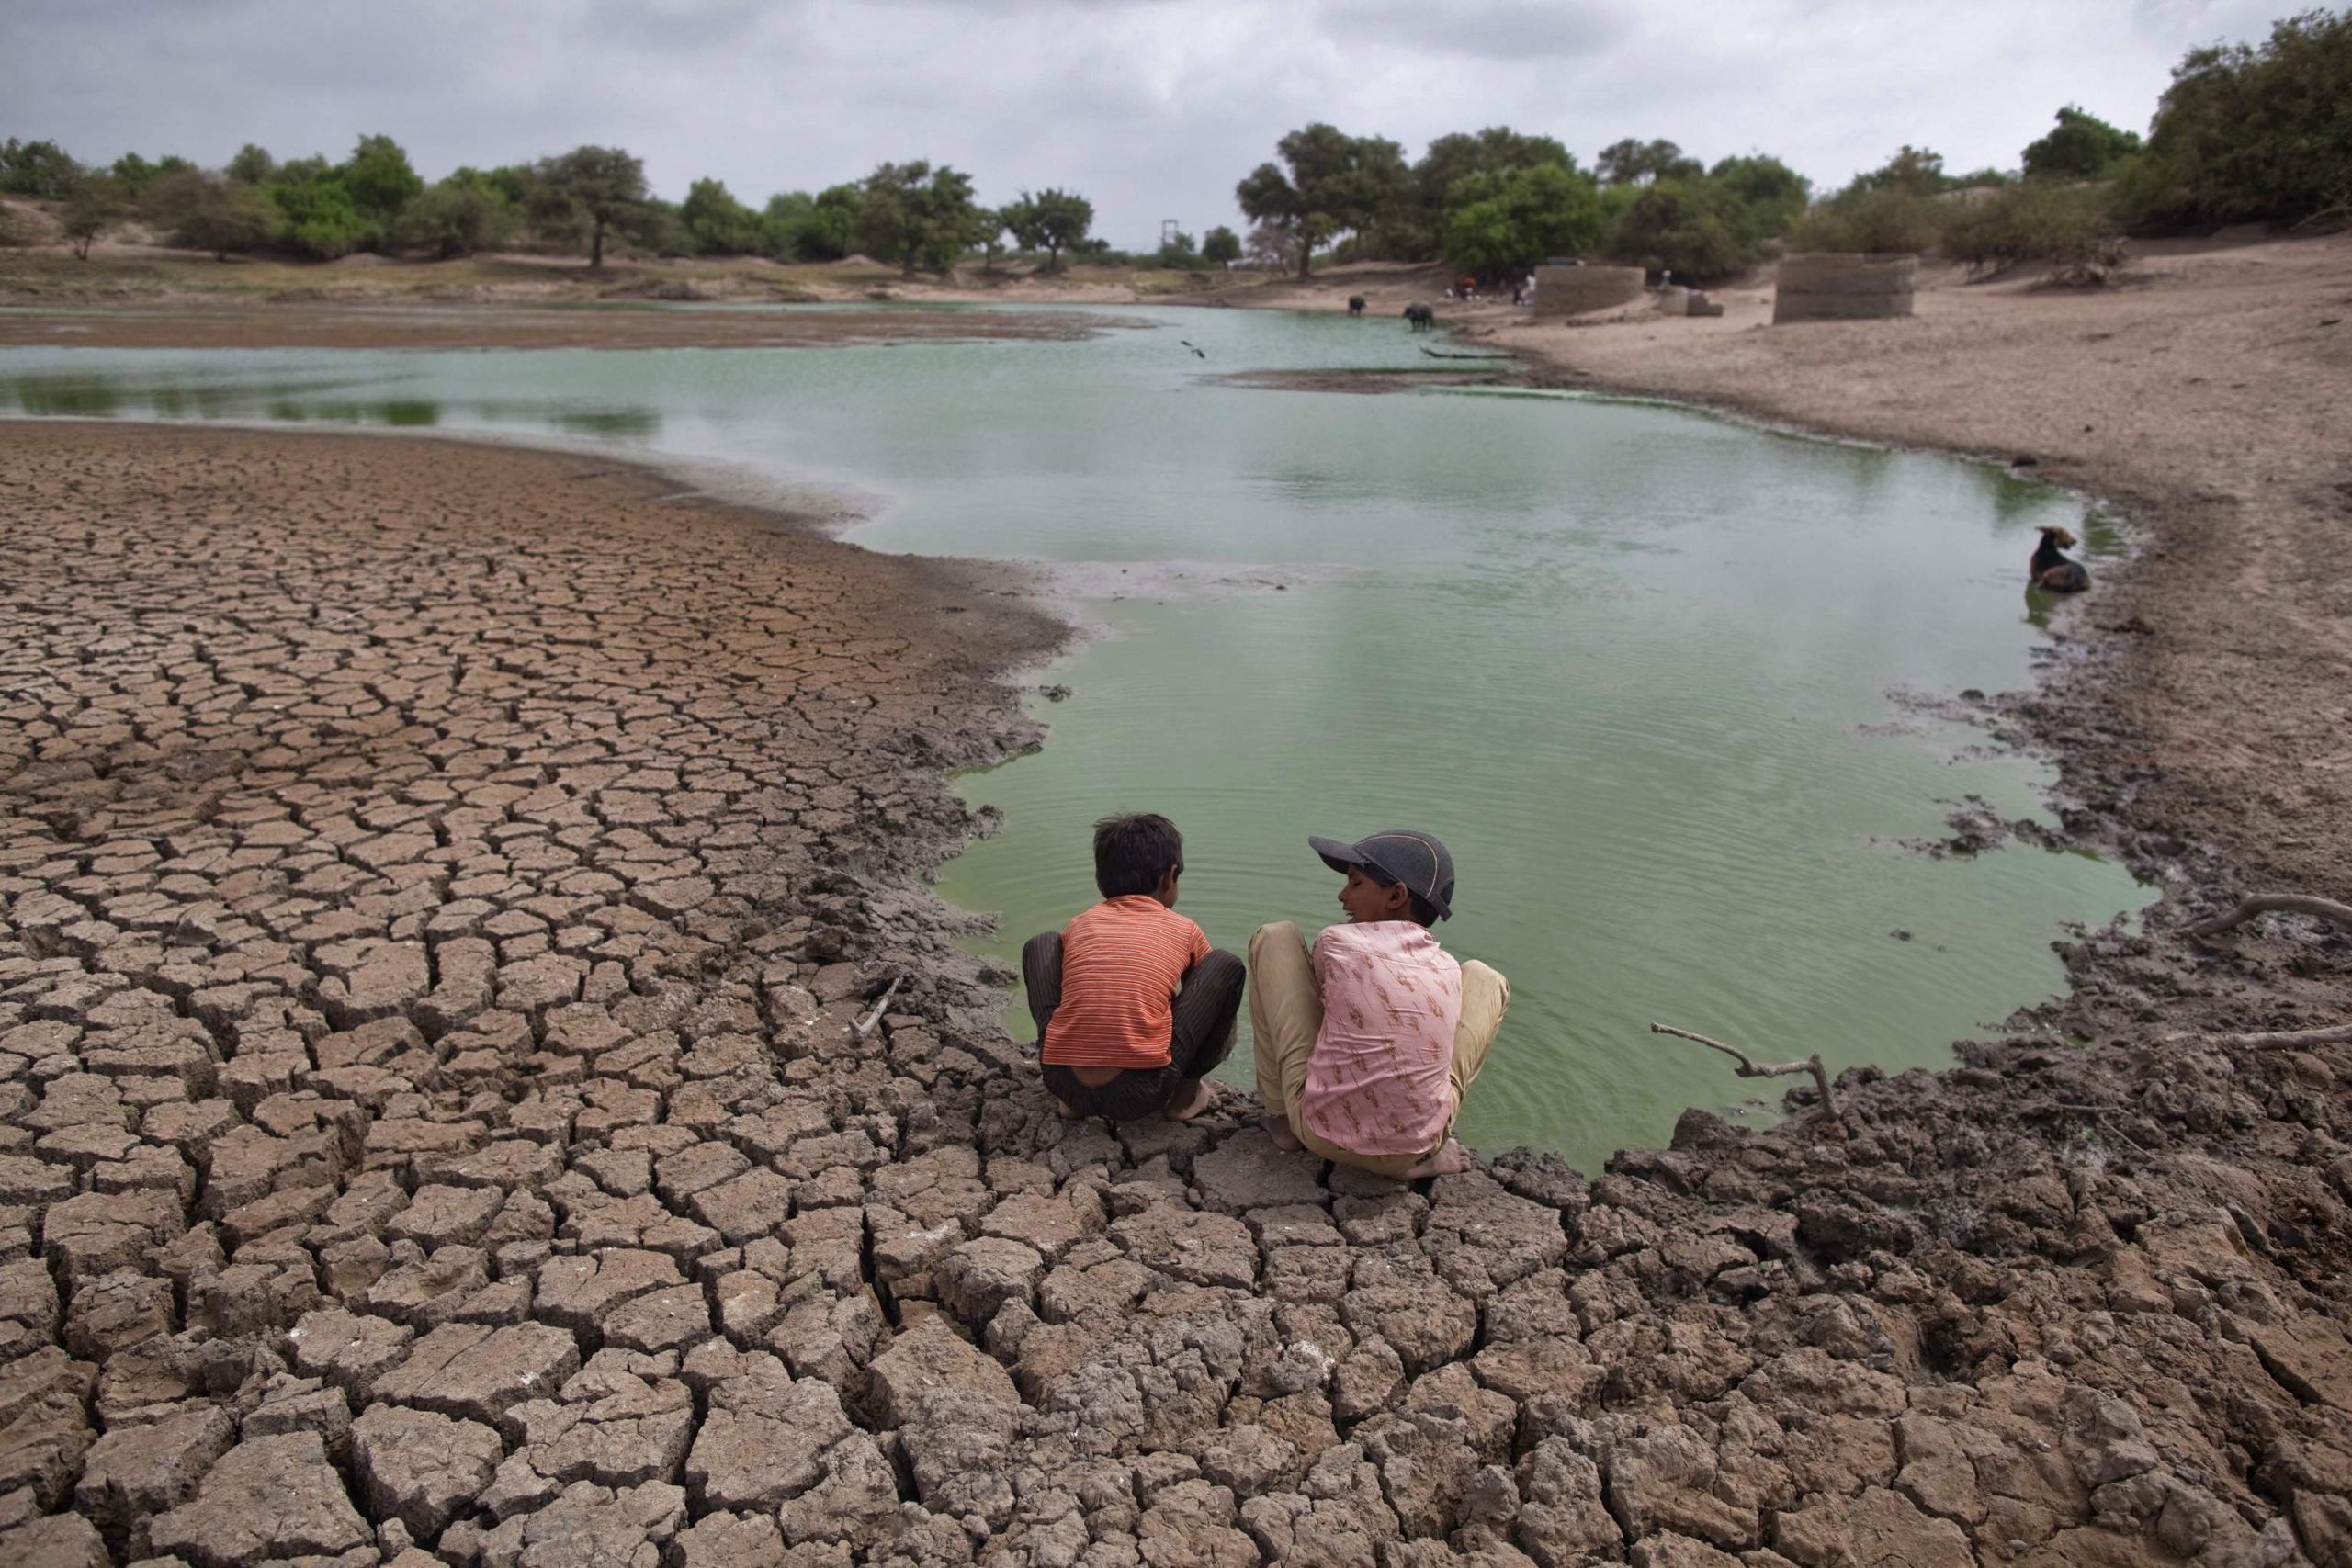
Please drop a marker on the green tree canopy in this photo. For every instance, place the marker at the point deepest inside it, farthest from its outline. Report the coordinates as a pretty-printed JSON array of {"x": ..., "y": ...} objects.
[
  {"x": 1220, "y": 247},
  {"x": 716, "y": 223},
  {"x": 1510, "y": 219},
  {"x": 2246, "y": 133},
  {"x": 1688, "y": 227},
  {"x": 38, "y": 169},
  {"x": 1415, "y": 230},
  {"x": 1913, "y": 170},
  {"x": 916, "y": 215},
  {"x": 211, "y": 212},
  {"x": 1769, "y": 195},
  {"x": 1052, "y": 222},
  {"x": 468, "y": 212},
  {"x": 594, "y": 188},
  {"x": 378, "y": 177},
  {"x": 133, "y": 175},
  {"x": 2081, "y": 147},
  {"x": 252, "y": 166},
  {"x": 1633, "y": 161},
  {"x": 317, "y": 217},
  {"x": 1327, "y": 183}
]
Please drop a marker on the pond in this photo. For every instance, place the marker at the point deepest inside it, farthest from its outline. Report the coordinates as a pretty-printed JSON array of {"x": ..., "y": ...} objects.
[{"x": 1643, "y": 670}]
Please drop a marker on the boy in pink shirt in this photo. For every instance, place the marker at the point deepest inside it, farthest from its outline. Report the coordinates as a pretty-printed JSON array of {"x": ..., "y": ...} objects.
[{"x": 1367, "y": 1043}]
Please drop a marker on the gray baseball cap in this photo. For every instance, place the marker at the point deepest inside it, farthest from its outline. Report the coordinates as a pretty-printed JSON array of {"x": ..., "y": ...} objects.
[{"x": 1416, "y": 860}]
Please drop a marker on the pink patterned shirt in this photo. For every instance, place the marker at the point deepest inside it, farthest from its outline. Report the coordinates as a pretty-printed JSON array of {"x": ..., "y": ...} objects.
[{"x": 1379, "y": 1082}]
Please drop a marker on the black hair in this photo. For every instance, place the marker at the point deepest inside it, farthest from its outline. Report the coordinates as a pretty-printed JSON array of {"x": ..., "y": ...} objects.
[
  {"x": 1132, "y": 853},
  {"x": 1424, "y": 913}
]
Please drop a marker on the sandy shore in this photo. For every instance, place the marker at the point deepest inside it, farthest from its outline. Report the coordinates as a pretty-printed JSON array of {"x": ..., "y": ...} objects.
[{"x": 441, "y": 888}]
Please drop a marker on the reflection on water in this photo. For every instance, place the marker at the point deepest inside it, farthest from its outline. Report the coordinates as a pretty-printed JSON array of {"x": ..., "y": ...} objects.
[{"x": 1630, "y": 664}]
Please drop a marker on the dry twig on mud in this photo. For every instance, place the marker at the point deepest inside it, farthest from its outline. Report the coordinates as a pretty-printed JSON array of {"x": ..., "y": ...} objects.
[
  {"x": 2326, "y": 910},
  {"x": 865, "y": 1025},
  {"x": 1750, "y": 1068},
  {"x": 2333, "y": 1034}
]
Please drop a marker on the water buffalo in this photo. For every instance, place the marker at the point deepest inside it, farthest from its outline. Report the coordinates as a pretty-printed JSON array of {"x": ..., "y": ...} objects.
[
  {"x": 1421, "y": 315},
  {"x": 1355, "y": 304}
]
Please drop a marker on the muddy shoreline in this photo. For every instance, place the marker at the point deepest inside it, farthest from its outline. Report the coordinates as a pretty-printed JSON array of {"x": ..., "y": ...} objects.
[{"x": 434, "y": 958}]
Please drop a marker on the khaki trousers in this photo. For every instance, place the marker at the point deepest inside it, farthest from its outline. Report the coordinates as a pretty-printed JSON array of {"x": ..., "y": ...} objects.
[{"x": 1287, "y": 1014}]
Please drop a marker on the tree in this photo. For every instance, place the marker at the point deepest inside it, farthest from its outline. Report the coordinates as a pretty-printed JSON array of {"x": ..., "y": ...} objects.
[
  {"x": 1769, "y": 195},
  {"x": 594, "y": 185},
  {"x": 992, "y": 225},
  {"x": 463, "y": 214},
  {"x": 1052, "y": 222},
  {"x": 95, "y": 206},
  {"x": 1914, "y": 170},
  {"x": 379, "y": 180},
  {"x": 2080, "y": 147},
  {"x": 1179, "y": 252},
  {"x": 252, "y": 166},
  {"x": 1503, "y": 223},
  {"x": 1688, "y": 227},
  {"x": 2245, "y": 133},
  {"x": 38, "y": 169},
  {"x": 1636, "y": 162},
  {"x": 1271, "y": 246},
  {"x": 1221, "y": 247},
  {"x": 317, "y": 216},
  {"x": 716, "y": 223},
  {"x": 1327, "y": 183},
  {"x": 915, "y": 214},
  {"x": 132, "y": 175},
  {"x": 1416, "y": 230},
  {"x": 210, "y": 212}
]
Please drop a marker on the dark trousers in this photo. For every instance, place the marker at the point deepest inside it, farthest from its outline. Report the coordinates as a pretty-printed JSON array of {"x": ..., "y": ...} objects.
[{"x": 1207, "y": 1001}]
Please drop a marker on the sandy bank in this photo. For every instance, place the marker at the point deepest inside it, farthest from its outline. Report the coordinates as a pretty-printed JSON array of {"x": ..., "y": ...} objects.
[{"x": 439, "y": 886}]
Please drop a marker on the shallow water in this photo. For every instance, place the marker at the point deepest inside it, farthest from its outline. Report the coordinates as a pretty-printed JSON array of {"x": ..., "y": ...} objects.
[{"x": 1632, "y": 664}]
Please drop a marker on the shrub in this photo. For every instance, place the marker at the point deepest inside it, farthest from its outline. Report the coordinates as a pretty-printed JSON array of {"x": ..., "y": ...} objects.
[
  {"x": 458, "y": 217},
  {"x": 2069, "y": 227},
  {"x": 1888, "y": 217},
  {"x": 211, "y": 213},
  {"x": 318, "y": 217}
]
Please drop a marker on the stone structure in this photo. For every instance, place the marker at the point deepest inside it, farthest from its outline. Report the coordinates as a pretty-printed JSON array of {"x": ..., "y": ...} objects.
[
  {"x": 1839, "y": 286},
  {"x": 1574, "y": 291}
]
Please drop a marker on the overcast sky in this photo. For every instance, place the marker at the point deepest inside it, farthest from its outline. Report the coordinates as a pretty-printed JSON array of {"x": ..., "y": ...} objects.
[{"x": 1152, "y": 109}]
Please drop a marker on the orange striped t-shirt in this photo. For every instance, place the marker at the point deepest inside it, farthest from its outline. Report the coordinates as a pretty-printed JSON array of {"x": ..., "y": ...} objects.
[{"x": 1122, "y": 961}]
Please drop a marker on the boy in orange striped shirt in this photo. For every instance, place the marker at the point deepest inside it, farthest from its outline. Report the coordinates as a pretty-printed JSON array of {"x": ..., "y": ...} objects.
[{"x": 1134, "y": 1008}]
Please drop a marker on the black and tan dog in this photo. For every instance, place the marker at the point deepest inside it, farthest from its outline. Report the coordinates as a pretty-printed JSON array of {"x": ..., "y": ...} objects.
[{"x": 2053, "y": 571}]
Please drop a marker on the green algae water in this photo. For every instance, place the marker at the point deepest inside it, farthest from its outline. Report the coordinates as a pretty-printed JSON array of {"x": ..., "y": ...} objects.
[{"x": 1644, "y": 671}]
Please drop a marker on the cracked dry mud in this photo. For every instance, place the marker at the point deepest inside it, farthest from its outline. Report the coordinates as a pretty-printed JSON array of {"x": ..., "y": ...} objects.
[{"x": 439, "y": 886}]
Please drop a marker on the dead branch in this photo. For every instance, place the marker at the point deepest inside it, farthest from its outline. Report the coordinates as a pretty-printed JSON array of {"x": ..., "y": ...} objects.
[
  {"x": 865, "y": 1025},
  {"x": 2326, "y": 910},
  {"x": 2334, "y": 1035},
  {"x": 1750, "y": 1068}
]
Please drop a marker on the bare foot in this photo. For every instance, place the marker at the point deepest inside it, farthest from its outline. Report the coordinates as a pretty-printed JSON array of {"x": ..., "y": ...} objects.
[
  {"x": 1068, "y": 1114},
  {"x": 1204, "y": 1095},
  {"x": 1278, "y": 1129},
  {"x": 1452, "y": 1159}
]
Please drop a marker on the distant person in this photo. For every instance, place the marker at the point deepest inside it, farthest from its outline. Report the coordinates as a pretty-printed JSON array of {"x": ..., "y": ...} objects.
[
  {"x": 1367, "y": 1043},
  {"x": 1134, "y": 1008}
]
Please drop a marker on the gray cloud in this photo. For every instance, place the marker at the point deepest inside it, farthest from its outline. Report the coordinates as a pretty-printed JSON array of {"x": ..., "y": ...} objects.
[{"x": 1151, "y": 107}]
